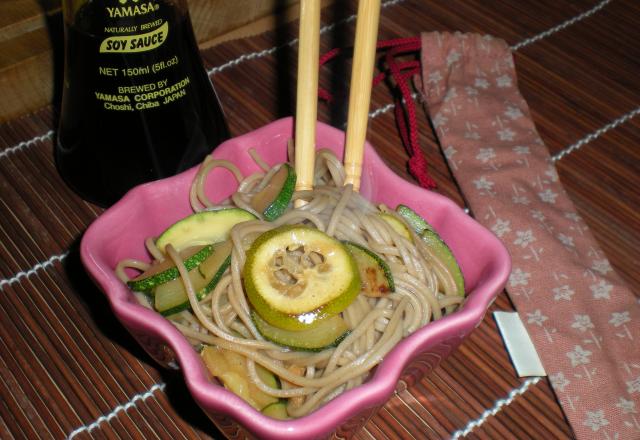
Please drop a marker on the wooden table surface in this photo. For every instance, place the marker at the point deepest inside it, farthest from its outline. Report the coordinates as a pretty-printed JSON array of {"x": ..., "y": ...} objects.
[{"x": 69, "y": 370}]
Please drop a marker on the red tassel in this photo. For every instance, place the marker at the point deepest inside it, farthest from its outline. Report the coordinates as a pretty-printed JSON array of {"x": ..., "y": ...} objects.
[{"x": 405, "y": 110}]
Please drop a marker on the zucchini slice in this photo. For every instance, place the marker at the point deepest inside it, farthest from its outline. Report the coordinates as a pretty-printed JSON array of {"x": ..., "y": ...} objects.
[
  {"x": 171, "y": 297},
  {"x": 274, "y": 198},
  {"x": 442, "y": 251},
  {"x": 231, "y": 368},
  {"x": 201, "y": 228},
  {"x": 413, "y": 218},
  {"x": 329, "y": 333},
  {"x": 295, "y": 275},
  {"x": 166, "y": 271},
  {"x": 277, "y": 410},
  {"x": 434, "y": 243},
  {"x": 266, "y": 376},
  {"x": 375, "y": 273},
  {"x": 397, "y": 225}
]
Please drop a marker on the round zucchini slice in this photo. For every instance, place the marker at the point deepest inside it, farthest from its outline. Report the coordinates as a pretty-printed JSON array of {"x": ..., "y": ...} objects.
[
  {"x": 295, "y": 276},
  {"x": 329, "y": 333},
  {"x": 201, "y": 228}
]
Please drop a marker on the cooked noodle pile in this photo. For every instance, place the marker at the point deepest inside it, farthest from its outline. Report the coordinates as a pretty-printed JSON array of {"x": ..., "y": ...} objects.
[{"x": 424, "y": 289}]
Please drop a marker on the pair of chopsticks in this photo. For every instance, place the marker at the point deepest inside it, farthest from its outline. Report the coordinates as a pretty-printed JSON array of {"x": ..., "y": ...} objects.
[{"x": 359, "y": 95}]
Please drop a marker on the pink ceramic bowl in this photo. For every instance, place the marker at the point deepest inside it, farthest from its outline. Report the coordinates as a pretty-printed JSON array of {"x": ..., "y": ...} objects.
[{"x": 148, "y": 209}]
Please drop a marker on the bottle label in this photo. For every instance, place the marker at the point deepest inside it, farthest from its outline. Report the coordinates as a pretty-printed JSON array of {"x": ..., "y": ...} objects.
[
  {"x": 136, "y": 43},
  {"x": 131, "y": 8},
  {"x": 139, "y": 57}
]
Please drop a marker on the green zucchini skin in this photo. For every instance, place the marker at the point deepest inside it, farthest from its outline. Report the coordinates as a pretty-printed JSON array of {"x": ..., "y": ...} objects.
[
  {"x": 434, "y": 242},
  {"x": 177, "y": 296},
  {"x": 147, "y": 284},
  {"x": 200, "y": 294},
  {"x": 281, "y": 202},
  {"x": 328, "y": 334},
  {"x": 370, "y": 263},
  {"x": 417, "y": 223},
  {"x": 440, "y": 248}
]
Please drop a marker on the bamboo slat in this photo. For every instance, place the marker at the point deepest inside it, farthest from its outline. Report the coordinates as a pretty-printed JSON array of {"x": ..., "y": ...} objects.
[{"x": 65, "y": 361}]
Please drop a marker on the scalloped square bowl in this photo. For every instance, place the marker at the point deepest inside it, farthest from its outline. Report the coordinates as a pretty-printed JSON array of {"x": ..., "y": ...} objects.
[{"x": 148, "y": 209}]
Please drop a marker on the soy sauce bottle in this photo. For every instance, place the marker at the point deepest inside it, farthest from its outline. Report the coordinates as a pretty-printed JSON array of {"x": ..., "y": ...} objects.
[{"x": 137, "y": 103}]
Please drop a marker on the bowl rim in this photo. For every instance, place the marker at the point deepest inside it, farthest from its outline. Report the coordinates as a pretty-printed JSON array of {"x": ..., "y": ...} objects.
[{"x": 375, "y": 391}]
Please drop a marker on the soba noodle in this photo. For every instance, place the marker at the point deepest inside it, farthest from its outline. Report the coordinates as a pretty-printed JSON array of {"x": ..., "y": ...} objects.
[{"x": 424, "y": 288}]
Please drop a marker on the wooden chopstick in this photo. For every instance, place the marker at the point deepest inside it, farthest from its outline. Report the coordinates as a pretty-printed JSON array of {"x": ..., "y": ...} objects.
[
  {"x": 307, "y": 94},
  {"x": 360, "y": 93}
]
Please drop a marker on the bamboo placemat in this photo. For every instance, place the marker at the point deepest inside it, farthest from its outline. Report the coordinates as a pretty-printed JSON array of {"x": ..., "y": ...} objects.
[{"x": 69, "y": 370}]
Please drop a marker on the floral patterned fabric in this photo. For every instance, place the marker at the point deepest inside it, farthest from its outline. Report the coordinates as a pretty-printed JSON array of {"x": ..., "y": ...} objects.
[{"x": 583, "y": 321}]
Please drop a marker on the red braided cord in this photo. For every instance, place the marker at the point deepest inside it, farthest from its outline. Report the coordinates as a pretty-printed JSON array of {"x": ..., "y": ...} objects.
[
  {"x": 405, "y": 110},
  {"x": 408, "y": 44},
  {"x": 413, "y": 43},
  {"x": 406, "y": 95},
  {"x": 325, "y": 95},
  {"x": 329, "y": 55},
  {"x": 402, "y": 124},
  {"x": 417, "y": 162},
  {"x": 400, "y": 118}
]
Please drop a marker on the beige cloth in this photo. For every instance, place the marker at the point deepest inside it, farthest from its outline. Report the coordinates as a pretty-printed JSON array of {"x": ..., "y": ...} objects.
[{"x": 583, "y": 321}]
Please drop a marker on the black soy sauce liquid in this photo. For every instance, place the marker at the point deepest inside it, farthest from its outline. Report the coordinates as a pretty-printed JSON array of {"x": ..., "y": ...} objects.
[{"x": 105, "y": 146}]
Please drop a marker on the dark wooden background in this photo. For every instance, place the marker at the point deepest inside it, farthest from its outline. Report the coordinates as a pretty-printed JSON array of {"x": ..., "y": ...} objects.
[{"x": 67, "y": 368}]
